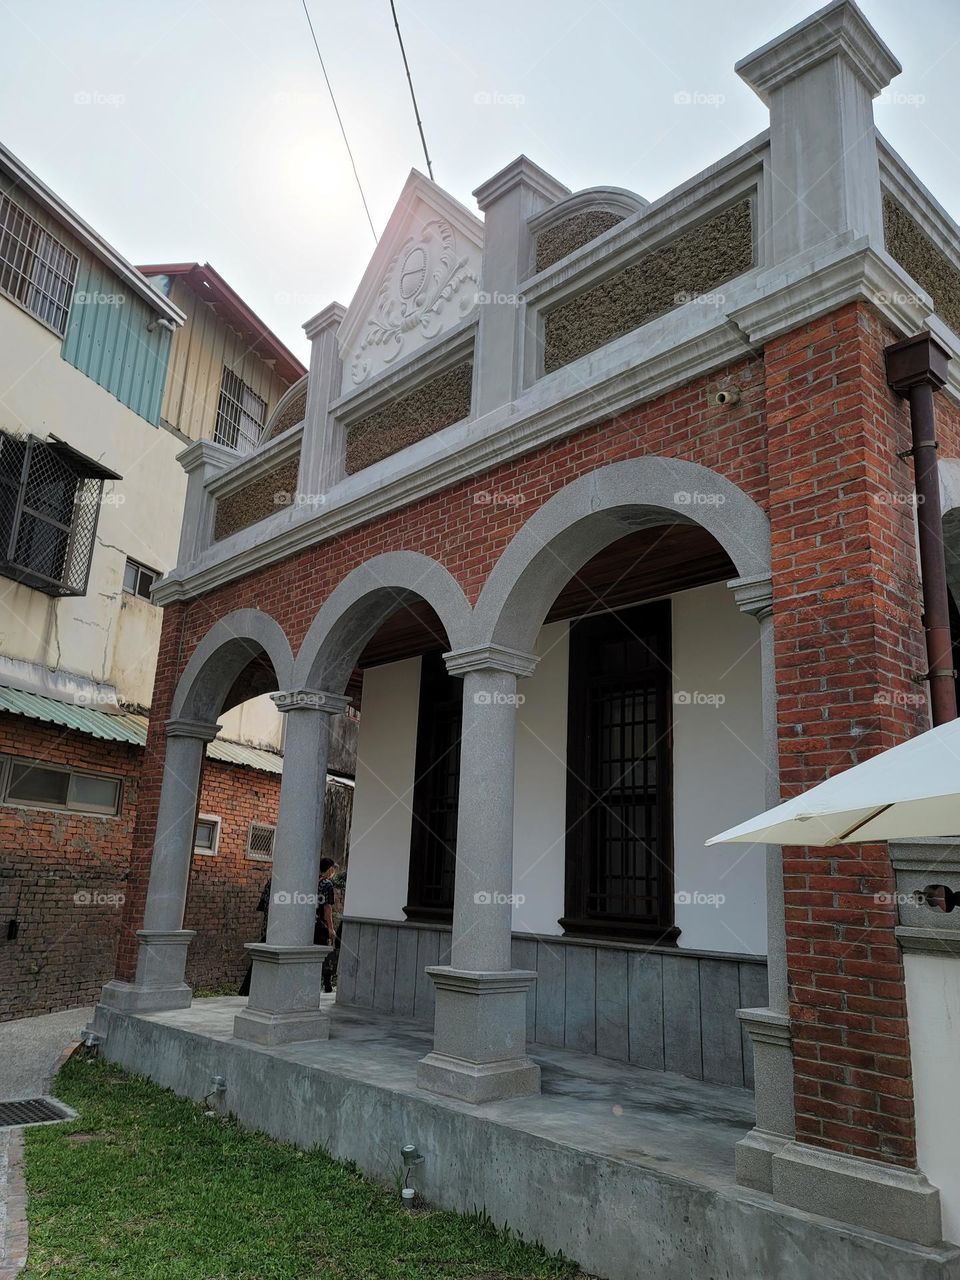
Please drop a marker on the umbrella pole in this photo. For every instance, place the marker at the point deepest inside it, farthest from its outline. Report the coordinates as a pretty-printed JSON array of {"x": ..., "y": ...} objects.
[{"x": 916, "y": 368}]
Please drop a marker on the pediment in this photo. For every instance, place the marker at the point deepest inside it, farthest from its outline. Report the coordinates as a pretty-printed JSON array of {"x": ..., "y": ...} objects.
[{"x": 422, "y": 281}]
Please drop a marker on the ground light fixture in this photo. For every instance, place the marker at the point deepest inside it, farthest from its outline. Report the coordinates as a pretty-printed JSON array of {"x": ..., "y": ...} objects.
[{"x": 410, "y": 1156}]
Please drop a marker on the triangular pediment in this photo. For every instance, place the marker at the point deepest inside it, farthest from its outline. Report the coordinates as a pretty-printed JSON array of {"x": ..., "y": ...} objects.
[{"x": 421, "y": 282}]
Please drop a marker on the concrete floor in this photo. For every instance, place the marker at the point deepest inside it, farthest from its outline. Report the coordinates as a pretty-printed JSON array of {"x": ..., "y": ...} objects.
[{"x": 31, "y": 1048}]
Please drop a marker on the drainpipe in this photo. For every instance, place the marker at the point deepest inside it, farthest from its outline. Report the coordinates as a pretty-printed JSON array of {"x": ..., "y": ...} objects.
[{"x": 916, "y": 368}]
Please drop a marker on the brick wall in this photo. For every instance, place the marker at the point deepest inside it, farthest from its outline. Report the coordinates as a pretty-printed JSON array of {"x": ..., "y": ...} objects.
[
  {"x": 848, "y": 639},
  {"x": 67, "y": 945}
]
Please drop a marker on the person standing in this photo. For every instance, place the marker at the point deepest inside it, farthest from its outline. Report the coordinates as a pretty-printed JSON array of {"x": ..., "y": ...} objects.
[{"x": 324, "y": 932}]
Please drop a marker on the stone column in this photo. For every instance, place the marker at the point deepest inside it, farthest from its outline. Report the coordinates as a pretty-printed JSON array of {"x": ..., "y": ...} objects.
[
  {"x": 284, "y": 1003},
  {"x": 507, "y": 201},
  {"x": 479, "y": 1049},
  {"x": 818, "y": 80},
  {"x": 322, "y": 451},
  {"x": 162, "y": 958},
  {"x": 768, "y": 1028}
]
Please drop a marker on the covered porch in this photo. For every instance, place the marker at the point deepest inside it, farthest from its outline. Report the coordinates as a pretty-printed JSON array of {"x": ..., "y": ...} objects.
[{"x": 628, "y": 1171}]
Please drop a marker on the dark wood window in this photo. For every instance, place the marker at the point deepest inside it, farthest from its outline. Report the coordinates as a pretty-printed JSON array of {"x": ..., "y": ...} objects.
[
  {"x": 619, "y": 873},
  {"x": 433, "y": 840}
]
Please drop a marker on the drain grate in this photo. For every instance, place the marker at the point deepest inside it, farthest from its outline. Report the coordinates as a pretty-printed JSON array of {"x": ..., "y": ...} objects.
[{"x": 32, "y": 1111}]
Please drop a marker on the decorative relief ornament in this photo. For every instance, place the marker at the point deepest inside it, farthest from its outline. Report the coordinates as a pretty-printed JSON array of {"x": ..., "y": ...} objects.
[{"x": 428, "y": 287}]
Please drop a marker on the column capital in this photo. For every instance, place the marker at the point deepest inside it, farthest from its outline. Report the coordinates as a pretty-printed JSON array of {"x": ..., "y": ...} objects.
[
  {"x": 330, "y": 317},
  {"x": 753, "y": 596},
  {"x": 310, "y": 700},
  {"x": 490, "y": 657},
  {"x": 838, "y": 30},
  {"x": 201, "y": 729},
  {"x": 520, "y": 172}
]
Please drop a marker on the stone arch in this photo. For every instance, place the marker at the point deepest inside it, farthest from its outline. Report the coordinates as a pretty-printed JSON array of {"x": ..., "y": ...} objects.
[
  {"x": 363, "y": 601},
  {"x": 597, "y": 509},
  {"x": 227, "y": 649}
]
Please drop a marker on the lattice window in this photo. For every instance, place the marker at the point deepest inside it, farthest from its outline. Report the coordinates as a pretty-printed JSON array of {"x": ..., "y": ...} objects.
[
  {"x": 241, "y": 414},
  {"x": 50, "y": 499},
  {"x": 36, "y": 270},
  {"x": 260, "y": 841}
]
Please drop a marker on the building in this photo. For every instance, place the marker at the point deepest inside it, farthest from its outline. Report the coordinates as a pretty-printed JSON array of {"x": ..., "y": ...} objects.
[
  {"x": 105, "y": 378},
  {"x": 604, "y": 507}
]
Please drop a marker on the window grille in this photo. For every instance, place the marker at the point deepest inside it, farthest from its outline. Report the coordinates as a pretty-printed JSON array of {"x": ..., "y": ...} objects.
[
  {"x": 49, "y": 508},
  {"x": 241, "y": 414},
  {"x": 260, "y": 841},
  {"x": 36, "y": 270}
]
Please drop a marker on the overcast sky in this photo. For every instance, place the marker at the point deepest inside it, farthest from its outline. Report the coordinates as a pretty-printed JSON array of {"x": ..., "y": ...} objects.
[{"x": 202, "y": 130}]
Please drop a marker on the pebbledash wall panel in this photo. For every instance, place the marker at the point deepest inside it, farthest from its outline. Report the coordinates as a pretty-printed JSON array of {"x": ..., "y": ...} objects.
[{"x": 658, "y": 1008}]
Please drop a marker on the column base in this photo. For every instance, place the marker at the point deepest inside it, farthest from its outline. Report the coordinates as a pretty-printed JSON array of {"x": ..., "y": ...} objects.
[
  {"x": 879, "y": 1197},
  {"x": 284, "y": 1003},
  {"x": 158, "y": 984},
  {"x": 478, "y": 1082},
  {"x": 769, "y": 1032},
  {"x": 480, "y": 1032}
]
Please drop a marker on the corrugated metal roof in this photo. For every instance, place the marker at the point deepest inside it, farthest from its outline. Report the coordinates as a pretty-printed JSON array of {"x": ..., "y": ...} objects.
[{"x": 124, "y": 727}]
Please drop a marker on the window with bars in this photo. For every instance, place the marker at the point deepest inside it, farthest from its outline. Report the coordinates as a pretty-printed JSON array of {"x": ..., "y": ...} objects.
[
  {"x": 619, "y": 857},
  {"x": 30, "y": 784},
  {"x": 433, "y": 837},
  {"x": 36, "y": 270},
  {"x": 260, "y": 841},
  {"x": 241, "y": 414},
  {"x": 50, "y": 498}
]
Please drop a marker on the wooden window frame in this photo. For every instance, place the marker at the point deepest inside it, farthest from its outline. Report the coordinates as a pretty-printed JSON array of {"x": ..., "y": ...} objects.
[
  {"x": 440, "y": 693},
  {"x": 652, "y": 619}
]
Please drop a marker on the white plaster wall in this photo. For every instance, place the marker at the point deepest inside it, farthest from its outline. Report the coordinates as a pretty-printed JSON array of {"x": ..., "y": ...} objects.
[
  {"x": 256, "y": 722},
  {"x": 718, "y": 770},
  {"x": 539, "y": 822},
  {"x": 933, "y": 1007},
  {"x": 93, "y": 635},
  {"x": 386, "y": 760}
]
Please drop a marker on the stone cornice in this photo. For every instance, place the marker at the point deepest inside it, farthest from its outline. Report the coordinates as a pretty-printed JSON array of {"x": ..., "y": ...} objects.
[
  {"x": 650, "y": 361},
  {"x": 201, "y": 729},
  {"x": 331, "y": 317},
  {"x": 753, "y": 595},
  {"x": 490, "y": 657},
  {"x": 520, "y": 172}
]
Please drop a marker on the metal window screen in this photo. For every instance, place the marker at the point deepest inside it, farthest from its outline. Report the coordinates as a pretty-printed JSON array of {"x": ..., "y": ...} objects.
[
  {"x": 35, "y": 268},
  {"x": 241, "y": 414},
  {"x": 260, "y": 840},
  {"x": 48, "y": 516}
]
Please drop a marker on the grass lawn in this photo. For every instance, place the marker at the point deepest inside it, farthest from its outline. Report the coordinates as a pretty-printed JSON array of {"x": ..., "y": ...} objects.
[{"x": 146, "y": 1186}]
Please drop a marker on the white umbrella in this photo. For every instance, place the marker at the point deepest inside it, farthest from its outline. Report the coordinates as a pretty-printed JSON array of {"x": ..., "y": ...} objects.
[{"x": 907, "y": 792}]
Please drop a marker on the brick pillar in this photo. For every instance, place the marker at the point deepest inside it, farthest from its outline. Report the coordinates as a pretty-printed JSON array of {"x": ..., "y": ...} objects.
[{"x": 848, "y": 641}]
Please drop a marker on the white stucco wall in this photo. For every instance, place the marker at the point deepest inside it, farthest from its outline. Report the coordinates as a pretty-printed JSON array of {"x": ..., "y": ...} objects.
[
  {"x": 718, "y": 780},
  {"x": 386, "y": 759},
  {"x": 102, "y": 635},
  {"x": 933, "y": 1007},
  {"x": 718, "y": 770}
]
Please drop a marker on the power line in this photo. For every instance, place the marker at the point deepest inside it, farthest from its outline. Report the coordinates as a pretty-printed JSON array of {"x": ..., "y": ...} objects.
[
  {"x": 336, "y": 109},
  {"x": 413, "y": 96}
]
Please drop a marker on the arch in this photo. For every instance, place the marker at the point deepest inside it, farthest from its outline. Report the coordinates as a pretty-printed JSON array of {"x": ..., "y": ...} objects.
[
  {"x": 363, "y": 601},
  {"x": 598, "y": 509},
  {"x": 289, "y": 411},
  {"x": 227, "y": 648}
]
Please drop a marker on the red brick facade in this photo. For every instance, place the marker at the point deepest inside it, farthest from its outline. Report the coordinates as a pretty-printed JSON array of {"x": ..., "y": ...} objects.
[
  {"x": 63, "y": 876},
  {"x": 814, "y": 441}
]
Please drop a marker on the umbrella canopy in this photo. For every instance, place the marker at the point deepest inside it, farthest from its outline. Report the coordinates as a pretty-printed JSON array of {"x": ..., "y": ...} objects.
[{"x": 910, "y": 791}]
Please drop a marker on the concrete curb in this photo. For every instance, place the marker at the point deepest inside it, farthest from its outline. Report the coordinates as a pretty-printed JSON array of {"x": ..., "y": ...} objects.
[{"x": 13, "y": 1190}]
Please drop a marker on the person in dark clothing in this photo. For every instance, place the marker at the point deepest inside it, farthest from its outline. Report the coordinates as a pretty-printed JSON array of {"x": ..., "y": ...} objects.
[
  {"x": 325, "y": 933},
  {"x": 263, "y": 906}
]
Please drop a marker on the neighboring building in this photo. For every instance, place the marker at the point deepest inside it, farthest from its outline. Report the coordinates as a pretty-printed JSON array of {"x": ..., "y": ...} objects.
[
  {"x": 91, "y": 500},
  {"x": 606, "y": 501}
]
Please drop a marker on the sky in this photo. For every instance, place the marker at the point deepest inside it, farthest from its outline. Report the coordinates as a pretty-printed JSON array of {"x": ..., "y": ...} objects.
[{"x": 201, "y": 130}]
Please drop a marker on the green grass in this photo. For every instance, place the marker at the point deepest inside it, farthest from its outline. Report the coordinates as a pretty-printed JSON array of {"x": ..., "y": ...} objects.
[{"x": 144, "y": 1185}]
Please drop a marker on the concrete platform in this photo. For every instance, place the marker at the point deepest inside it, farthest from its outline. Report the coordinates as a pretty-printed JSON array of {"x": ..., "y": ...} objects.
[{"x": 630, "y": 1172}]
